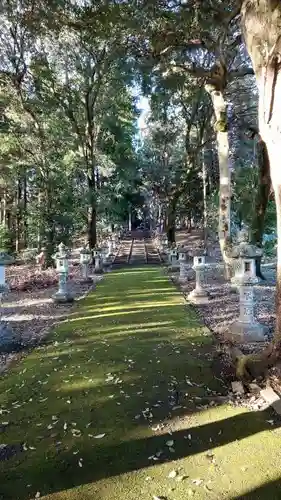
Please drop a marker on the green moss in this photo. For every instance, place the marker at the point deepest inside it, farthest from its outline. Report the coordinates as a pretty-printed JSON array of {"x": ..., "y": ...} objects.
[
  {"x": 221, "y": 126},
  {"x": 136, "y": 327}
]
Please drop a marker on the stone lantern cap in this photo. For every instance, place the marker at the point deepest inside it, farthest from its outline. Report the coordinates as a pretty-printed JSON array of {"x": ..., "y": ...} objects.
[
  {"x": 243, "y": 249},
  {"x": 85, "y": 250}
]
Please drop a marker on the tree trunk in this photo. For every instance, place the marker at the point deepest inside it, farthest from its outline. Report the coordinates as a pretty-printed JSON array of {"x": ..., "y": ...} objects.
[
  {"x": 25, "y": 223},
  {"x": 92, "y": 212},
  {"x": 221, "y": 127},
  {"x": 262, "y": 198},
  {"x": 92, "y": 227},
  {"x": 171, "y": 234},
  {"x": 262, "y": 194},
  {"x": 171, "y": 223},
  {"x": 205, "y": 222},
  {"x": 18, "y": 214},
  {"x": 49, "y": 228},
  {"x": 261, "y": 23}
]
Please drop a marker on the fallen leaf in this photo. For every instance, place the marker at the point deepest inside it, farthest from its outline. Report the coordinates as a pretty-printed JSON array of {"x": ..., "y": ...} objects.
[
  {"x": 80, "y": 462},
  {"x": 99, "y": 436},
  {"x": 198, "y": 482},
  {"x": 172, "y": 474}
]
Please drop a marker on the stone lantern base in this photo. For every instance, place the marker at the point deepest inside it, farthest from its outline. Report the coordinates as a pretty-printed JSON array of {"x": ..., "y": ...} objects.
[
  {"x": 199, "y": 296},
  {"x": 246, "y": 332},
  {"x": 62, "y": 298},
  {"x": 99, "y": 270},
  {"x": 86, "y": 281}
]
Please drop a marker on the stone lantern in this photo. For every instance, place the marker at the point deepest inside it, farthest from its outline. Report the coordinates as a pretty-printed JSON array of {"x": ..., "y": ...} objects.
[
  {"x": 98, "y": 261},
  {"x": 114, "y": 240},
  {"x": 3, "y": 285},
  {"x": 163, "y": 243},
  {"x": 246, "y": 327},
  {"x": 85, "y": 259},
  {"x": 8, "y": 339},
  {"x": 41, "y": 259},
  {"x": 199, "y": 295},
  {"x": 110, "y": 246},
  {"x": 173, "y": 258},
  {"x": 183, "y": 256},
  {"x": 62, "y": 296}
]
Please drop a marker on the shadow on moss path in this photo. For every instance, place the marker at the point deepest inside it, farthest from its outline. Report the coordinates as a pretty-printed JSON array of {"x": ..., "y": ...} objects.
[{"x": 97, "y": 404}]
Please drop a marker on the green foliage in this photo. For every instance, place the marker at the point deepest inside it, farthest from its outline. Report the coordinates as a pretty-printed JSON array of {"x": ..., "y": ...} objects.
[
  {"x": 5, "y": 239},
  {"x": 269, "y": 247}
]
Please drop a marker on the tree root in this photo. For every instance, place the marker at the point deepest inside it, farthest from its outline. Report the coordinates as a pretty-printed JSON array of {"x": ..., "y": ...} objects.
[{"x": 253, "y": 366}]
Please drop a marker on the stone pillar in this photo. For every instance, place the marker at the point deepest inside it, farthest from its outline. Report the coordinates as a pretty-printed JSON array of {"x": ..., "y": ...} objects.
[
  {"x": 41, "y": 259},
  {"x": 199, "y": 295},
  {"x": 246, "y": 328},
  {"x": 183, "y": 265},
  {"x": 62, "y": 296},
  {"x": 98, "y": 263},
  {"x": 85, "y": 259},
  {"x": 110, "y": 246},
  {"x": 173, "y": 258},
  {"x": 9, "y": 341}
]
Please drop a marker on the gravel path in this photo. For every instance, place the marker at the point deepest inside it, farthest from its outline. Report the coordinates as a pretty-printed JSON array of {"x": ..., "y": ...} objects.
[
  {"x": 223, "y": 307},
  {"x": 32, "y": 313}
]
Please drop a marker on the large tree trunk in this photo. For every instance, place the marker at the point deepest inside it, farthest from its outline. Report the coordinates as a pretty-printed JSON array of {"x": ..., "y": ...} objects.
[
  {"x": 205, "y": 222},
  {"x": 92, "y": 212},
  {"x": 221, "y": 127},
  {"x": 18, "y": 214},
  {"x": 262, "y": 198},
  {"x": 25, "y": 222},
  {"x": 261, "y": 22},
  {"x": 171, "y": 222}
]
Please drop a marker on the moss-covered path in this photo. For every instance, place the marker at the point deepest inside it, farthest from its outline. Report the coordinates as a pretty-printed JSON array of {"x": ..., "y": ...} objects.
[{"x": 122, "y": 397}]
